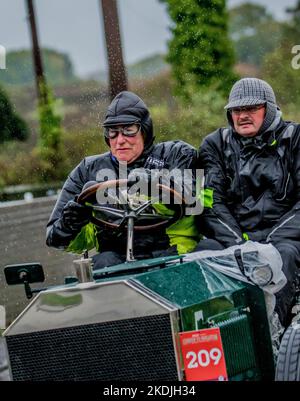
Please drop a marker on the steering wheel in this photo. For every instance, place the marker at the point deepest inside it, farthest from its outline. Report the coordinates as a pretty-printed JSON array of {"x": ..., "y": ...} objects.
[{"x": 121, "y": 205}]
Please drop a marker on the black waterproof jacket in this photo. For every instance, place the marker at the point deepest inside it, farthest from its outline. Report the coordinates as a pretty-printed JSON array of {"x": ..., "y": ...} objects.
[
  {"x": 168, "y": 155},
  {"x": 252, "y": 186}
]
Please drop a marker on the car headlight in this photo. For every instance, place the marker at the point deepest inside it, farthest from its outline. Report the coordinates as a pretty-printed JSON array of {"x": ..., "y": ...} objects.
[{"x": 261, "y": 274}]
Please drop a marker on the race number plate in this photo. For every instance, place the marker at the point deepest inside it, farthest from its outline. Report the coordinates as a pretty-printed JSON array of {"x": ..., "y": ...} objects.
[{"x": 203, "y": 355}]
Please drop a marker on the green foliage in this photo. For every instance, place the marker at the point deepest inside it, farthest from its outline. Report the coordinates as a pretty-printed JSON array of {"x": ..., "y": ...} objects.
[
  {"x": 144, "y": 69},
  {"x": 49, "y": 148},
  {"x": 20, "y": 164},
  {"x": 191, "y": 121},
  {"x": 173, "y": 119},
  {"x": 20, "y": 71},
  {"x": 200, "y": 51},
  {"x": 246, "y": 19},
  {"x": 147, "y": 67},
  {"x": 277, "y": 68},
  {"x": 254, "y": 32},
  {"x": 295, "y": 15},
  {"x": 285, "y": 80},
  {"x": 251, "y": 49},
  {"x": 291, "y": 29},
  {"x": 79, "y": 143},
  {"x": 12, "y": 127}
]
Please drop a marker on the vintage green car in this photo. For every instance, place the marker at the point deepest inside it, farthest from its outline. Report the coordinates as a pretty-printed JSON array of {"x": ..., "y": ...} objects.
[{"x": 172, "y": 318}]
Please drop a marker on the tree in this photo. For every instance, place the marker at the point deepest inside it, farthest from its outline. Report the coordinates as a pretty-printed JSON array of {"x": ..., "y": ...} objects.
[
  {"x": 278, "y": 71},
  {"x": 246, "y": 18},
  {"x": 295, "y": 14},
  {"x": 200, "y": 52},
  {"x": 292, "y": 27},
  {"x": 278, "y": 68},
  {"x": 49, "y": 148},
  {"x": 12, "y": 127},
  {"x": 254, "y": 32},
  {"x": 116, "y": 66}
]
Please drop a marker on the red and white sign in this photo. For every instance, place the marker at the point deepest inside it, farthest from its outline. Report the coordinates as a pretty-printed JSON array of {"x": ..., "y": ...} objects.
[{"x": 203, "y": 355}]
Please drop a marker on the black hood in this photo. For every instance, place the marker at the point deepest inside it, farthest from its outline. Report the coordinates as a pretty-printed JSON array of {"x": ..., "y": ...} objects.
[{"x": 128, "y": 108}]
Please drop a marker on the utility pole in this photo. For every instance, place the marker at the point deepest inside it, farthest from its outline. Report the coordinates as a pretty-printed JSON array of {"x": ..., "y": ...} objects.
[
  {"x": 116, "y": 66},
  {"x": 37, "y": 59}
]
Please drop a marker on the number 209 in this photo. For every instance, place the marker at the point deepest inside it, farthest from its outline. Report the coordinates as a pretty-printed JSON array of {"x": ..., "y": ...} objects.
[{"x": 203, "y": 358}]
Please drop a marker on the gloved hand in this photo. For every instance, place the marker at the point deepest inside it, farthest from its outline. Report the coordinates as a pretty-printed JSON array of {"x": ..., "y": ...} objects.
[
  {"x": 139, "y": 175},
  {"x": 150, "y": 177},
  {"x": 139, "y": 178},
  {"x": 148, "y": 180},
  {"x": 75, "y": 216}
]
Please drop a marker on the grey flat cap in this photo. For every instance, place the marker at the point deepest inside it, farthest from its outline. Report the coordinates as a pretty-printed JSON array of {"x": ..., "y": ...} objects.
[{"x": 250, "y": 92}]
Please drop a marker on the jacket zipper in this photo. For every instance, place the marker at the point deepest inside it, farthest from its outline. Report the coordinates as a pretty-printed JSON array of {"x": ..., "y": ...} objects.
[
  {"x": 285, "y": 188},
  {"x": 282, "y": 224},
  {"x": 238, "y": 238}
]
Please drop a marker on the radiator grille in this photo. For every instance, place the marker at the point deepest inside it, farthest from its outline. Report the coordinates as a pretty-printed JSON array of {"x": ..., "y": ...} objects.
[
  {"x": 238, "y": 344},
  {"x": 132, "y": 349}
]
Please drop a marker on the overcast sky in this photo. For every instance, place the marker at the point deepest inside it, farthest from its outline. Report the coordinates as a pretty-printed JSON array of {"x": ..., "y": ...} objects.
[{"x": 75, "y": 27}]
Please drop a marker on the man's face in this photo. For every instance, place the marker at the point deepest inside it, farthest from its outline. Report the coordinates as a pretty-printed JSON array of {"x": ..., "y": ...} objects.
[
  {"x": 248, "y": 120},
  {"x": 126, "y": 142}
]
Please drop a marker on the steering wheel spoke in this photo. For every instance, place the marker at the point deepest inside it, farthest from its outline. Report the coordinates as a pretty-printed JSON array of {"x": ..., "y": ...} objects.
[
  {"x": 124, "y": 206},
  {"x": 157, "y": 216},
  {"x": 109, "y": 210}
]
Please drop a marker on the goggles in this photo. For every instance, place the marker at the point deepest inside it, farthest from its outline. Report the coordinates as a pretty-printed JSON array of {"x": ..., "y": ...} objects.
[{"x": 129, "y": 131}]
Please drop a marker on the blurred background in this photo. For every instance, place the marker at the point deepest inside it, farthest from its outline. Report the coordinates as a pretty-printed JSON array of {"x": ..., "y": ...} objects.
[
  {"x": 62, "y": 61},
  {"x": 180, "y": 57}
]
